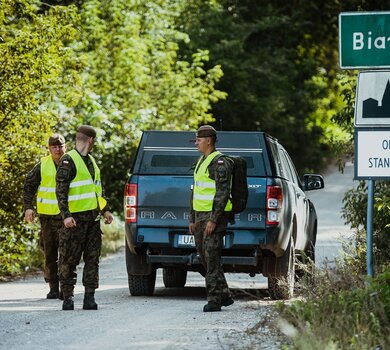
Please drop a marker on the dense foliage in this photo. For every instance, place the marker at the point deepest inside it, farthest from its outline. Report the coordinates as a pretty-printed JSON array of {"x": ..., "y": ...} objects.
[
  {"x": 280, "y": 63},
  {"x": 113, "y": 65},
  {"x": 33, "y": 58}
]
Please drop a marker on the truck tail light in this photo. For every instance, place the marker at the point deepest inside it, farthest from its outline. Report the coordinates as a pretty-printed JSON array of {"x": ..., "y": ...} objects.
[
  {"x": 130, "y": 205},
  {"x": 274, "y": 204}
]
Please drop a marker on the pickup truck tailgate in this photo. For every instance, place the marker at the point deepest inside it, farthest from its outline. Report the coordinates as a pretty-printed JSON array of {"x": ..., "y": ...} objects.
[{"x": 166, "y": 202}]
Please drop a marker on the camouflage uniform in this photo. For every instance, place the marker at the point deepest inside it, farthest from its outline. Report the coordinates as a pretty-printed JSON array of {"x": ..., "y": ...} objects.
[
  {"x": 210, "y": 246},
  {"x": 50, "y": 226},
  {"x": 84, "y": 239}
]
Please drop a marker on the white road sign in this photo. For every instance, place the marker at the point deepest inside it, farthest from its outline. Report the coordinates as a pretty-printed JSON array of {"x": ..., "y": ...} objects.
[
  {"x": 372, "y": 106},
  {"x": 372, "y": 154}
]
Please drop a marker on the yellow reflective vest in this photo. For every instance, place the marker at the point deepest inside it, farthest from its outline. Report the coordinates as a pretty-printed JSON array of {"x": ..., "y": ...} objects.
[
  {"x": 46, "y": 197},
  {"x": 204, "y": 186},
  {"x": 85, "y": 193}
]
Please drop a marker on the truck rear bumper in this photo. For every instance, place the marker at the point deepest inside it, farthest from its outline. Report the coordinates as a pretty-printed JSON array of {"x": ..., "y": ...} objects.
[
  {"x": 194, "y": 259},
  {"x": 163, "y": 237}
]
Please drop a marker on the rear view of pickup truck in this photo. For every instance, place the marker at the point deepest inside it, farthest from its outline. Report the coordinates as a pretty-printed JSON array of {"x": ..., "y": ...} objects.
[{"x": 277, "y": 229}]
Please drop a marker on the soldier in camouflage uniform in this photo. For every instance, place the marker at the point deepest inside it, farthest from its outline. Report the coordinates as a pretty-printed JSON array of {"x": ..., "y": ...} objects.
[
  {"x": 80, "y": 199},
  {"x": 210, "y": 213},
  {"x": 40, "y": 181}
]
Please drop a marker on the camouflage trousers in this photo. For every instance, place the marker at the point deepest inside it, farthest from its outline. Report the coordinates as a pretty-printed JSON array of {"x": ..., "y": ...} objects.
[
  {"x": 84, "y": 240},
  {"x": 210, "y": 249},
  {"x": 48, "y": 241}
]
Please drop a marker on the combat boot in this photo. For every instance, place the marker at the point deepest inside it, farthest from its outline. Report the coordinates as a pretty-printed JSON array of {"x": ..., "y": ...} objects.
[
  {"x": 89, "y": 301},
  {"x": 211, "y": 306},
  {"x": 68, "y": 303},
  {"x": 54, "y": 291},
  {"x": 227, "y": 301}
]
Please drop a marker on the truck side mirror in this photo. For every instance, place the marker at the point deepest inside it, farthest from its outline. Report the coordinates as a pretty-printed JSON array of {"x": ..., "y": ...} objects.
[{"x": 313, "y": 182}]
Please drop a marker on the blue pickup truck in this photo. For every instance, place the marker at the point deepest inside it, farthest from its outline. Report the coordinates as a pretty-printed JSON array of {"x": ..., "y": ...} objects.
[{"x": 277, "y": 229}]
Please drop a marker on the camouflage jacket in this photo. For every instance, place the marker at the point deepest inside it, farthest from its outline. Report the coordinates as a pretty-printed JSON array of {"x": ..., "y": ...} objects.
[
  {"x": 66, "y": 172},
  {"x": 220, "y": 170},
  {"x": 31, "y": 185}
]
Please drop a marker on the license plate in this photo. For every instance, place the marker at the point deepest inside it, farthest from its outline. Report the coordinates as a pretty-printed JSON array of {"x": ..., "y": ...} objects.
[{"x": 186, "y": 240}]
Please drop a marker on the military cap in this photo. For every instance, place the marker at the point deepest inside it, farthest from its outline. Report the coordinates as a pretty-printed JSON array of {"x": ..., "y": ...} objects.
[
  {"x": 87, "y": 130},
  {"x": 56, "y": 140},
  {"x": 206, "y": 131}
]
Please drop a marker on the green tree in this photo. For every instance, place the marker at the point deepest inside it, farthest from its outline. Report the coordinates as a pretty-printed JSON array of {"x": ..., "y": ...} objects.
[
  {"x": 280, "y": 63},
  {"x": 33, "y": 57},
  {"x": 111, "y": 64},
  {"x": 136, "y": 81}
]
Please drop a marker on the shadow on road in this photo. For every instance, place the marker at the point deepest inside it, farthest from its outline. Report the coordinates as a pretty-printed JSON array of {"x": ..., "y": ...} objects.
[{"x": 200, "y": 293}]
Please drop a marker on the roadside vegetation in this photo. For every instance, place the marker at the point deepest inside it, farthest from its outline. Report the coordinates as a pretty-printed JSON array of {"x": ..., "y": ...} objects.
[
  {"x": 343, "y": 310},
  {"x": 125, "y": 66},
  {"x": 341, "y": 307}
]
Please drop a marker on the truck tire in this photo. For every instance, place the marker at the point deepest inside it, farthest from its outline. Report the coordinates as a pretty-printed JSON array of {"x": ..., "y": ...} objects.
[
  {"x": 174, "y": 278},
  {"x": 142, "y": 285},
  {"x": 141, "y": 276},
  {"x": 282, "y": 287}
]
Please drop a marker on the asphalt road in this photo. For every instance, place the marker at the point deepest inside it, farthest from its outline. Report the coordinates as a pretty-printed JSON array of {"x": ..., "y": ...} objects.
[
  {"x": 332, "y": 230},
  {"x": 172, "y": 318}
]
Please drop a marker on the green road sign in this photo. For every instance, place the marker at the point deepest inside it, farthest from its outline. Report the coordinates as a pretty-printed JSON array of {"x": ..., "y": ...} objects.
[{"x": 364, "y": 40}]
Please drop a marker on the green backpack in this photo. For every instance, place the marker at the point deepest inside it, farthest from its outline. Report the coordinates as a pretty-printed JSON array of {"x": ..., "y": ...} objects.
[{"x": 239, "y": 189}]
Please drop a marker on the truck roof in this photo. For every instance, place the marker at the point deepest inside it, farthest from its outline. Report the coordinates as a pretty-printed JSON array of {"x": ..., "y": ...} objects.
[
  {"x": 225, "y": 139},
  {"x": 174, "y": 152}
]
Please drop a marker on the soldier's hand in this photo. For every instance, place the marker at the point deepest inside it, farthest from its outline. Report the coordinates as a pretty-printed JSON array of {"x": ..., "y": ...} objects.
[
  {"x": 108, "y": 217},
  {"x": 191, "y": 228},
  {"x": 69, "y": 222},
  {"x": 210, "y": 227},
  {"x": 29, "y": 215}
]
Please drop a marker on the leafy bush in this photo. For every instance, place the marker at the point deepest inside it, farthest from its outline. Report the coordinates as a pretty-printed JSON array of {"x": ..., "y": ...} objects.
[
  {"x": 113, "y": 236},
  {"x": 355, "y": 214},
  {"x": 19, "y": 250},
  {"x": 33, "y": 60},
  {"x": 342, "y": 312}
]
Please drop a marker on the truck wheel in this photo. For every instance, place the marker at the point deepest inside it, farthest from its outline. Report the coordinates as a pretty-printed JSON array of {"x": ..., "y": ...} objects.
[
  {"x": 142, "y": 285},
  {"x": 174, "y": 278},
  {"x": 282, "y": 287}
]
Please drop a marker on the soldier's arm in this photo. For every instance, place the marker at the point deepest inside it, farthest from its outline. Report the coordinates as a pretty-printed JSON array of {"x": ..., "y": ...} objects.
[
  {"x": 107, "y": 207},
  {"x": 191, "y": 219},
  {"x": 222, "y": 174},
  {"x": 66, "y": 172},
  {"x": 31, "y": 184},
  {"x": 192, "y": 212}
]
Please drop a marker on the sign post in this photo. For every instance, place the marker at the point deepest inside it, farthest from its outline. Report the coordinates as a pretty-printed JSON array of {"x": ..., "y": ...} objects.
[
  {"x": 364, "y": 43},
  {"x": 369, "y": 233}
]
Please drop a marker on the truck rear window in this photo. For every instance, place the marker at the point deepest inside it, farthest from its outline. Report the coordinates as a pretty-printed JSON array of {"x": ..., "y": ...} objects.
[
  {"x": 168, "y": 162},
  {"x": 177, "y": 161},
  {"x": 172, "y": 161}
]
